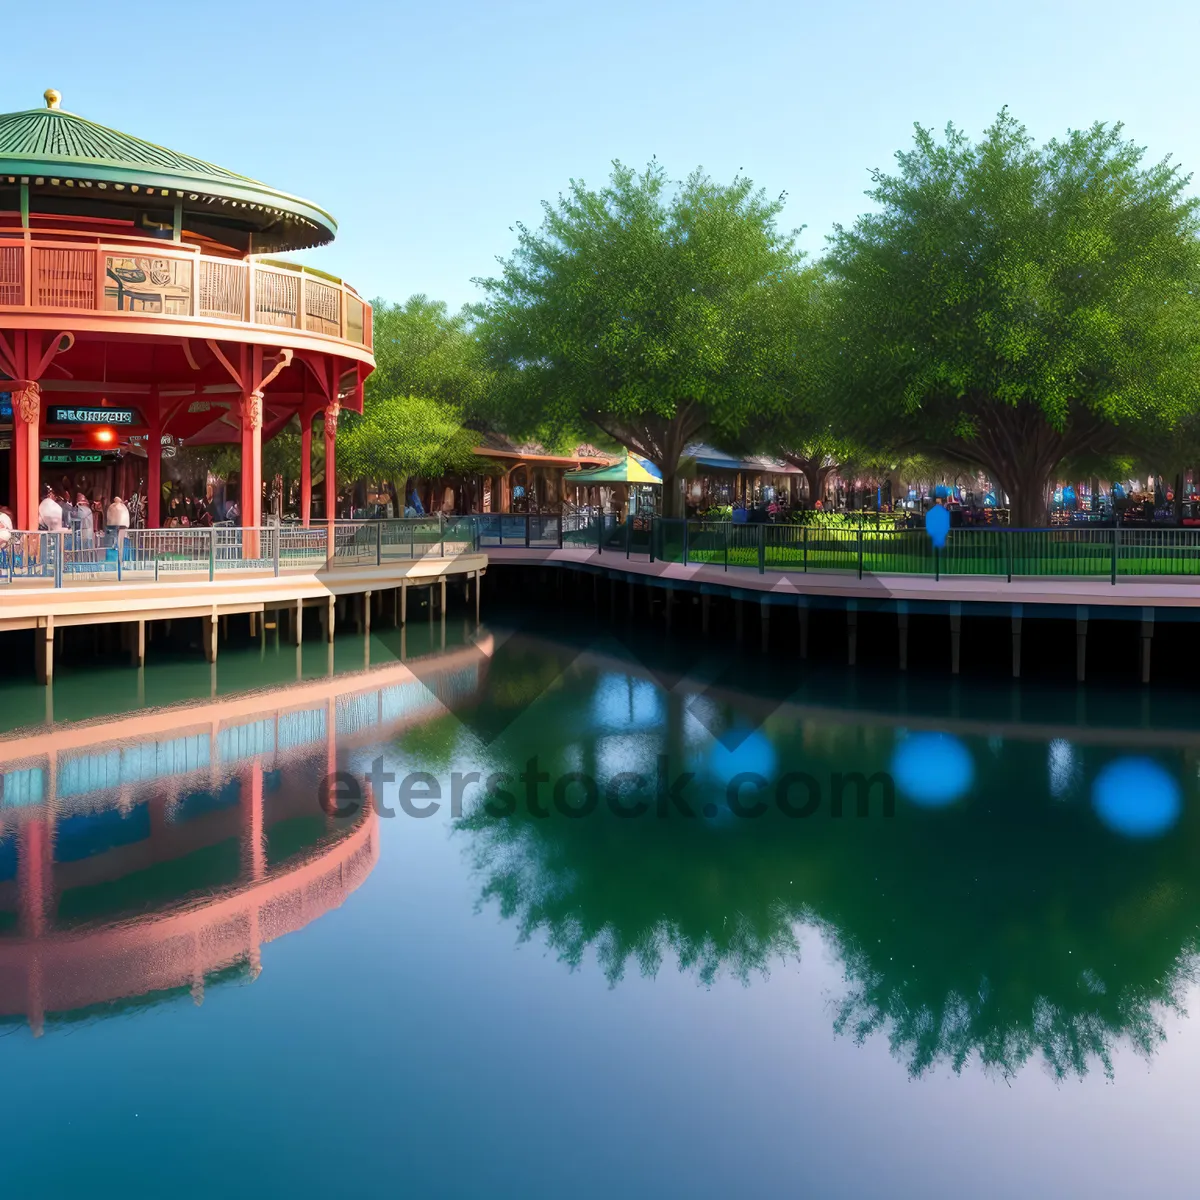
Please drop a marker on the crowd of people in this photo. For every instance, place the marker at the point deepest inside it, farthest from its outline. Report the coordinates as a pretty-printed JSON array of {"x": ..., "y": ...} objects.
[
  {"x": 91, "y": 523},
  {"x": 84, "y": 518},
  {"x": 184, "y": 510},
  {"x": 756, "y": 514}
]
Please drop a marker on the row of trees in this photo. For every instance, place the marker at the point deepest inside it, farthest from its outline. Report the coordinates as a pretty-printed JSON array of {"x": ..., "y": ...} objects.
[{"x": 1017, "y": 309}]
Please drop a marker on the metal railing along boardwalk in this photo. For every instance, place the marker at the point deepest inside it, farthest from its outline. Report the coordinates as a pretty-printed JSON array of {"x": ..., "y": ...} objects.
[
  {"x": 68, "y": 556},
  {"x": 995, "y": 552}
]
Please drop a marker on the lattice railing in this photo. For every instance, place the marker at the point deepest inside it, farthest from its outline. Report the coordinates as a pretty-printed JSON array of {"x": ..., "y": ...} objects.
[
  {"x": 222, "y": 289},
  {"x": 12, "y": 274},
  {"x": 322, "y": 308},
  {"x": 167, "y": 281},
  {"x": 276, "y": 298},
  {"x": 64, "y": 278}
]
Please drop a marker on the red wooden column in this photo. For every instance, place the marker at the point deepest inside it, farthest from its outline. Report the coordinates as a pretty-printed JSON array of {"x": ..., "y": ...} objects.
[
  {"x": 154, "y": 462},
  {"x": 27, "y": 446},
  {"x": 254, "y": 845},
  {"x": 332, "y": 411},
  {"x": 254, "y": 858},
  {"x": 308, "y": 413},
  {"x": 305, "y": 467},
  {"x": 24, "y": 360},
  {"x": 35, "y": 889},
  {"x": 252, "y": 412}
]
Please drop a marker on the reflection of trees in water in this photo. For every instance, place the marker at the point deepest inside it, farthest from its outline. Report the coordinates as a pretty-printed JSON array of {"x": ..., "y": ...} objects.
[
  {"x": 1007, "y": 1021},
  {"x": 1006, "y": 928},
  {"x": 543, "y": 874}
]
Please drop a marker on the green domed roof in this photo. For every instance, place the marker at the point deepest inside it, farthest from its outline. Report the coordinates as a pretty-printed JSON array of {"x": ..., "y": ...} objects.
[{"x": 51, "y": 148}]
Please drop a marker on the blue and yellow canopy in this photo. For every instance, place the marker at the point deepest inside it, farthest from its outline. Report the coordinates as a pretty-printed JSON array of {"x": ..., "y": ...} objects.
[{"x": 631, "y": 469}]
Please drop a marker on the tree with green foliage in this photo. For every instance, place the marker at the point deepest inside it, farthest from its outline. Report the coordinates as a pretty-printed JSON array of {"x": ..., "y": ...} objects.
[
  {"x": 422, "y": 349},
  {"x": 817, "y": 459},
  {"x": 801, "y": 423},
  {"x": 398, "y": 437},
  {"x": 641, "y": 310},
  {"x": 1010, "y": 305},
  {"x": 280, "y": 456},
  {"x": 428, "y": 378}
]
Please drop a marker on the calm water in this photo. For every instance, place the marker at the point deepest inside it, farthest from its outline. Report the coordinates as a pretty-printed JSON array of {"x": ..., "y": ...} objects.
[{"x": 212, "y": 985}]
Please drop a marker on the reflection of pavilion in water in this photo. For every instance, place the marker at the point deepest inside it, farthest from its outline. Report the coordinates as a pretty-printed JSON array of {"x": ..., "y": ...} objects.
[{"x": 150, "y": 854}]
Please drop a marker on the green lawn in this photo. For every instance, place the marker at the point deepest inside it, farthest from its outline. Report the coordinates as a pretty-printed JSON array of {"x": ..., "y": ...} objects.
[{"x": 1090, "y": 561}]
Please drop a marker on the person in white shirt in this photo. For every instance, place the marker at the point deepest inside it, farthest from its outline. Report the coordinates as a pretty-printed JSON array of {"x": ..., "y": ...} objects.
[
  {"x": 116, "y": 519},
  {"x": 5, "y": 525},
  {"x": 50, "y": 512},
  {"x": 117, "y": 515}
]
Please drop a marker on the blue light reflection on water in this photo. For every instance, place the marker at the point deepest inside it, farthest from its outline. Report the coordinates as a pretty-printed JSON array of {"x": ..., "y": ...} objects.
[
  {"x": 932, "y": 769},
  {"x": 735, "y": 752},
  {"x": 1137, "y": 797}
]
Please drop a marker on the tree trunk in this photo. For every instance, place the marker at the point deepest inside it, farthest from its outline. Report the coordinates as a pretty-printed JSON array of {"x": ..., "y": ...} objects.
[
  {"x": 661, "y": 440},
  {"x": 1019, "y": 449},
  {"x": 672, "y": 502},
  {"x": 814, "y": 482},
  {"x": 1025, "y": 485},
  {"x": 816, "y": 470}
]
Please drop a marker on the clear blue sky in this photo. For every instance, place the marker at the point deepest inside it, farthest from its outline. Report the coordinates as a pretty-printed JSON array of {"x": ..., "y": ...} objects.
[{"x": 428, "y": 128}]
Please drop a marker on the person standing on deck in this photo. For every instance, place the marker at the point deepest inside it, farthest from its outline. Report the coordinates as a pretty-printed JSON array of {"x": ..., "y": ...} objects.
[
  {"x": 116, "y": 519},
  {"x": 83, "y": 515},
  {"x": 50, "y": 513}
]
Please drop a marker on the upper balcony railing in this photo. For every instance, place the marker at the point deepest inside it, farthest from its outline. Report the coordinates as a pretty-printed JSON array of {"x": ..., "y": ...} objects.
[{"x": 61, "y": 276}]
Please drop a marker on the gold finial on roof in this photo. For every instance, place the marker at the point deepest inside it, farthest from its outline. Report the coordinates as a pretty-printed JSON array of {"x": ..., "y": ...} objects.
[{"x": 53, "y": 97}]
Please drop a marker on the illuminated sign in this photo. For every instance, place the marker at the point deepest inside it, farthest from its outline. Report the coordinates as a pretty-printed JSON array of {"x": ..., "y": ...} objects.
[
  {"x": 76, "y": 457},
  {"x": 5, "y": 406},
  {"x": 56, "y": 443},
  {"x": 61, "y": 415}
]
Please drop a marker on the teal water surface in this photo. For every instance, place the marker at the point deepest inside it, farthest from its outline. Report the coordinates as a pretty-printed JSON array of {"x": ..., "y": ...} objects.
[{"x": 608, "y": 972}]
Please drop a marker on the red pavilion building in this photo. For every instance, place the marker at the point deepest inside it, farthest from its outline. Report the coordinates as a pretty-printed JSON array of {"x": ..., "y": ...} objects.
[{"x": 141, "y": 306}]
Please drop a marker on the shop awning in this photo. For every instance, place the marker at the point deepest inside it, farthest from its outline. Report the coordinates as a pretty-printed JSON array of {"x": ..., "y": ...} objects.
[
  {"x": 631, "y": 469},
  {"x": 718, "y": 460}
]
